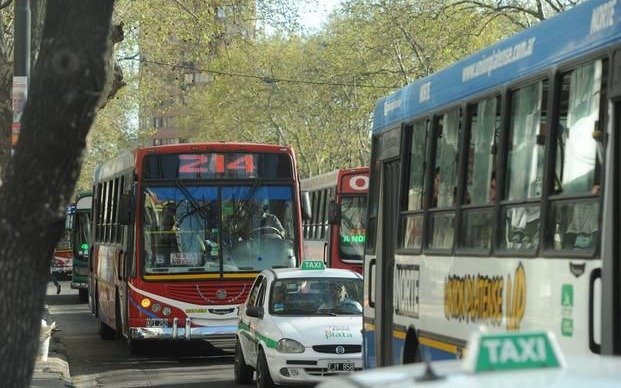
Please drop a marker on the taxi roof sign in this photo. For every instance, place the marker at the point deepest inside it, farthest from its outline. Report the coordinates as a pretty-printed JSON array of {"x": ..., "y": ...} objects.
[
  {"x": 510, "y": 351},
  {"x": 312, "y": 265}
]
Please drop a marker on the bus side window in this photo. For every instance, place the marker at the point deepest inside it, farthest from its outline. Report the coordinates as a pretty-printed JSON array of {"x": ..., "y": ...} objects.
[
  {"x": 524, "y": 180},
  {"x": 445, "y": 181},
  {"x": 478, "y": 224},
  {"x": 412, "y": 212},
  {"x": 579, "y": 156}
]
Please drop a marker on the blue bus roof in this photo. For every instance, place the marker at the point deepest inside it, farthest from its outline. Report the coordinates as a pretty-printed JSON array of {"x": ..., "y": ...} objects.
[{"x": 585, "y": 29}]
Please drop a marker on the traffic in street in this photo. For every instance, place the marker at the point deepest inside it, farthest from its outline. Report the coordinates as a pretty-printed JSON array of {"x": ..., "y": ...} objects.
[{"x": 463, "y": 233}]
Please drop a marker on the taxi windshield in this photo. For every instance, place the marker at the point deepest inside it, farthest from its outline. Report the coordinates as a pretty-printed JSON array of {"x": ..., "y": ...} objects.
[{"x": 316, "y": 296}]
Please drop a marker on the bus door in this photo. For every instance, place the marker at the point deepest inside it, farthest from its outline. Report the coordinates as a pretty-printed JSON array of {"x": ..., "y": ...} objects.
[
  {"x": 127, "y": 253},
  {"x": 386, "y": 253},
  {"x": 610, "y": 273}
]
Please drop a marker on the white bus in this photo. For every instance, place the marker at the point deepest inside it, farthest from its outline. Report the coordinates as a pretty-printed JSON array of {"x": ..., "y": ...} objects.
[{"x": 492, "y": 196}]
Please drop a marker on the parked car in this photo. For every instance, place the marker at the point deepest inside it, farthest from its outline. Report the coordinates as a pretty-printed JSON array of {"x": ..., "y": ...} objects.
[{"x": 300, "y": 325}]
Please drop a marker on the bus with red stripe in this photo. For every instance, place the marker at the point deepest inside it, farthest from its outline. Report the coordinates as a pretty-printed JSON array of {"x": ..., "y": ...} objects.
[
  {"x": 181, "y": 231},
  {"x": 336, "y": 231},
  {"x": 61, "y": 264}
]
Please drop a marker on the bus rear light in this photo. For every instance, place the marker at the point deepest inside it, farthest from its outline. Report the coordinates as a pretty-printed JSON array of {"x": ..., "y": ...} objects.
[
  {"x": 145, "y": 302},
  {"x": 155, "y": 307},
  {"x": 166, "y": 311}
]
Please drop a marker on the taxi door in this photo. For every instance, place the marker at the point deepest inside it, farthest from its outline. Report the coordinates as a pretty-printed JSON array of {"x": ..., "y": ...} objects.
[{"x": 248, "y": 337}]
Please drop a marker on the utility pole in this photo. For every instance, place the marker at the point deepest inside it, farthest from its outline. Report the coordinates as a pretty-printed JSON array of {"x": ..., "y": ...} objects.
[{"x": 21, "y": 66}]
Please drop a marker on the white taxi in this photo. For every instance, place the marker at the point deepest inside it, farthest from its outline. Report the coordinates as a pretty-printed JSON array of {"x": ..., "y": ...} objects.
[
  {"x": 300, "y": 325},
  {"x": 496, "y": 359}
]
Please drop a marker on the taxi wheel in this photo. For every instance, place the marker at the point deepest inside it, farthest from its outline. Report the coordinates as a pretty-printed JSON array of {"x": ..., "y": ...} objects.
[
  {"x": 243, "y": 373},
  {"x": 264, "y": 380}
]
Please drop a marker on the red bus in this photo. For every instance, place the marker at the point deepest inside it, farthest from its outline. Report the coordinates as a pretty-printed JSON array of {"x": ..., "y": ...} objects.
[
  {"x": 181, "y": 231},
  {"x": 61, "y": 264},
  {"x": 336, "y": 231}
]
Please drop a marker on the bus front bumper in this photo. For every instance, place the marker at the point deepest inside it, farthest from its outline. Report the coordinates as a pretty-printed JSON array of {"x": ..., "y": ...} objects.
[
  {"x": 79, "y": 286},
  {"x": 183, "y": 332}
]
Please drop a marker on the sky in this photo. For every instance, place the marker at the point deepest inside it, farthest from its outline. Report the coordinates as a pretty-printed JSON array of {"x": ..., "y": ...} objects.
[{"x": 315, "y": 13}]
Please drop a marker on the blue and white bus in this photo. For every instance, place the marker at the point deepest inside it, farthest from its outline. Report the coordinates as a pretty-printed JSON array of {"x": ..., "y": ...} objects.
[{"x": 492, "y": 196}]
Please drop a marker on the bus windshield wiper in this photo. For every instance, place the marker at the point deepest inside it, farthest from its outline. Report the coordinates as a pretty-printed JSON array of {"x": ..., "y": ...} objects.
[
  {"x": 251, "y": 192},
  {"x": 197, "y": 208}
]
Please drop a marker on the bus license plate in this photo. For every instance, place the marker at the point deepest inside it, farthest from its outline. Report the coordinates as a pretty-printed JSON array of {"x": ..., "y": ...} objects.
[{"x": 341, "y": 367}]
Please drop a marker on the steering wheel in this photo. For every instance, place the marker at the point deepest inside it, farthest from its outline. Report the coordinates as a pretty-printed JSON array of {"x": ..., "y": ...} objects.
[{"x": 267, "y": 230}]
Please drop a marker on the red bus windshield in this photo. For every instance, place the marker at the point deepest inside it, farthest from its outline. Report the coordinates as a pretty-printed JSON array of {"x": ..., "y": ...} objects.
[
  {"x": 200, "y": 228},
  {"x": 353, "y": 227}
]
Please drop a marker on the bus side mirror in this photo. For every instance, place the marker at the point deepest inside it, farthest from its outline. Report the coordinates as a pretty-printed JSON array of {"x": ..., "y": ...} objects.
[
  {"x": 334, "y": 213},
  {"x": 125, "y": 216},
  {"x": 307, "y": 214}
]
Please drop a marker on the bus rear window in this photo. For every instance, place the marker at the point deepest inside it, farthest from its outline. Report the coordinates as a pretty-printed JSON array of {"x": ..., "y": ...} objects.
[{"x": 217, "y": 166}]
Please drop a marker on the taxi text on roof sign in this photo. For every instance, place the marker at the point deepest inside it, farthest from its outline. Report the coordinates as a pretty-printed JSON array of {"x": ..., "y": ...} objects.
[
  {"x": 312, "y": 265},
  {"x": 511, "y": 351}
]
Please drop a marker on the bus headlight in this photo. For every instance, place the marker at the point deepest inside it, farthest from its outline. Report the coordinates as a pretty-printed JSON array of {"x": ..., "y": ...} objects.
[{"x": 287, "y": 345}]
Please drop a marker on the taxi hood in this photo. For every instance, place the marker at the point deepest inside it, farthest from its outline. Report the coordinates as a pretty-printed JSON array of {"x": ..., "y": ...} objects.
[{"x": 321, "y": 330}]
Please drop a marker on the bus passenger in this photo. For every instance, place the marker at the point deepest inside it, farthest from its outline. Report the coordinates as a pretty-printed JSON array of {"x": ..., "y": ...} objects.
[{"x": 523, "y": 227}]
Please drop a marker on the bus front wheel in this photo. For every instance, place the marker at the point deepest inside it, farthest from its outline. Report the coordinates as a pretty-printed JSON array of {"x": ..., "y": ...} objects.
[
  {"x": 83, "y": 295},
  {"x": 106, "y": 332},
  {"x": 136, "y": 347},
  {"x": 411, "y": 349}
]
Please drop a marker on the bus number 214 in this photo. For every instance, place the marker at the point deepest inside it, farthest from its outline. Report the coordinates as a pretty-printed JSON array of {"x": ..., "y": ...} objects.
[{"x": 215, "y": 163}]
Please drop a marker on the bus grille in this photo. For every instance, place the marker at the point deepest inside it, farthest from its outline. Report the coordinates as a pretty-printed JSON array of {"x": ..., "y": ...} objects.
[
  {"x": 332, "y": 349},
  {"x": 216, "y": 293}
]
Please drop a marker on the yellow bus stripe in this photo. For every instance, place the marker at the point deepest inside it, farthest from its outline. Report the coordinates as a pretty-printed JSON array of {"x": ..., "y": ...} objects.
[
  {"x": 447, "y": 347},
  {"x": 437, "y": 344},
  {"x": 398, "y": 334}
]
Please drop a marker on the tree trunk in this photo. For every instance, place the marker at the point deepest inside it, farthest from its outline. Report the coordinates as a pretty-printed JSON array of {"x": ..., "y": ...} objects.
[{"x": 66, "y": 88}]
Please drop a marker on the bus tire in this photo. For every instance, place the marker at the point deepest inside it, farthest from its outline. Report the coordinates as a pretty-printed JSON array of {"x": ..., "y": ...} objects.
[
  {"x": 264, "y": 379},
  {"x": 243, "y": 372},
  {"x": 83, "y": 295},
  {"x": 411, "y": 348},
  {"x": 106, "y": 332},
  {"x": 135, "y": 346},
  {"x": 93, "y": 302}
]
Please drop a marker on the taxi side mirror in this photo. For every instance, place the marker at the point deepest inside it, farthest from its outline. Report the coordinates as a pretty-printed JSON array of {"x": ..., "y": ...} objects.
[{"x": 255, "y": 312}]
